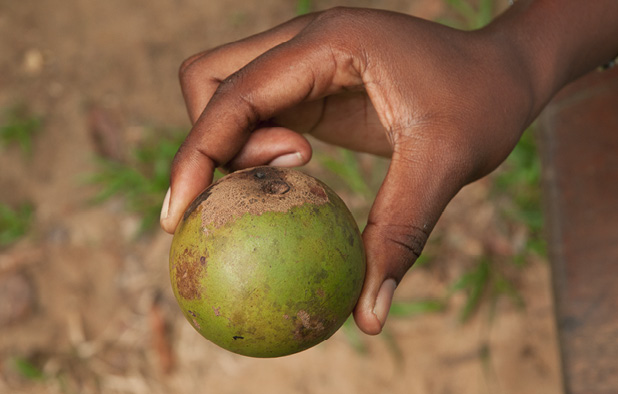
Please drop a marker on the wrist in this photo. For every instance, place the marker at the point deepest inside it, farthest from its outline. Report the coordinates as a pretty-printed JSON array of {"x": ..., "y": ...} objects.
[
  {"x": 536, "y": 54},
  {"x": 556, "y": 41}
]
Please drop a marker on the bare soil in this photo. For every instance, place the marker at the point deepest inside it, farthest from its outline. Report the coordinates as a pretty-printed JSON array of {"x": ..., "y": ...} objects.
[{"x": 90, "y": 304}]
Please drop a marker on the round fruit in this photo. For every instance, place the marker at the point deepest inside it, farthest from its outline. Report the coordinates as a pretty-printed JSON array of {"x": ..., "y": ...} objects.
[{"x": 267, "y": 262}]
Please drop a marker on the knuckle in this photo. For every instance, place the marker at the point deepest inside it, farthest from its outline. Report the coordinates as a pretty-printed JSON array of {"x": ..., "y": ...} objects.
[
  {"x": 185, "y": 66},
  {"x": 338, "y": 19},
  {"x": 334, "y": 12},
  {"x": 194, "y": 67},
  {"x": 408, "y": 237}
]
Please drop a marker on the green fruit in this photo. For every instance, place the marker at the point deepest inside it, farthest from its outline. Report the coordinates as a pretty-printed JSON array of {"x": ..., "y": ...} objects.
[{"x": 267, "y": 262}]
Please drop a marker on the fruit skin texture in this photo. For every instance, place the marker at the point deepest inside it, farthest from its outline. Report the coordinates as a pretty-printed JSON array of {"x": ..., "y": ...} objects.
[{"x": 267, "y": 262}]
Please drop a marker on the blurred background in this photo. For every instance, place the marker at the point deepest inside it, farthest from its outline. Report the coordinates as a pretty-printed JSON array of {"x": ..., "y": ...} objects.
[{"x": 90, "y": 116}]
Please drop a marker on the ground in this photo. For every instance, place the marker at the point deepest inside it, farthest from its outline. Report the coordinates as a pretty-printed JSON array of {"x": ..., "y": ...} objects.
[{"x": 90, "y": 307}]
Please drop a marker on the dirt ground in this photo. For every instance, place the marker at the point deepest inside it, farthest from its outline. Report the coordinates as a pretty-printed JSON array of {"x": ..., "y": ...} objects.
[{"x": 97, "y": 312}]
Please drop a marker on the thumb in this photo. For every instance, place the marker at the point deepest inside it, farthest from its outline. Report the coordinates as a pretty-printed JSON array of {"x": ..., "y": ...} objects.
[{"x": 409, "y": 203}]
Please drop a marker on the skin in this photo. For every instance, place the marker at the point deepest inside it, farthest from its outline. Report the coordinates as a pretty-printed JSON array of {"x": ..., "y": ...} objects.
[{"x": 447, "y": 106}]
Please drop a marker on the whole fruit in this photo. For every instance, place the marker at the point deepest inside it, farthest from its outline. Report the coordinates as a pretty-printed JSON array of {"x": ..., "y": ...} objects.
[{"x": 267, "y": 262}]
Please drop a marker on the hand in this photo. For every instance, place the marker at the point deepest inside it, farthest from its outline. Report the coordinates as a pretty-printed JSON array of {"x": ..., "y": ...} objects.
[{"x": 448, "y": 106}]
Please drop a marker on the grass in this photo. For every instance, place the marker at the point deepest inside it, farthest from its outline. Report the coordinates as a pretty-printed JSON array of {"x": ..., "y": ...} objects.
[
  {"x": 468, "y": 16},
  {"x": 303, "y": 6},
  {"x": 405, "y": 309},
  {"x": 343, "y": 164},
  {"x": 27, "y": 369},
  {"x": 484, "y": 280},
  {"x": 143, "y": 180},
  {"x": 520, "y": 178},
  {"x": 517, "y": 181},
  {"x": 14, "y": 222},
  {"x": 19, "y": 126}
]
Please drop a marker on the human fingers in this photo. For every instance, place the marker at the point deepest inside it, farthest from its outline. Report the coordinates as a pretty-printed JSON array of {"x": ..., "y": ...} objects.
[
  {"x": 295, "y": 71},
  {"x": 201, "y": 74},
  {"x": 272, "y": 145},
  {"x": 412, "y": 197}
]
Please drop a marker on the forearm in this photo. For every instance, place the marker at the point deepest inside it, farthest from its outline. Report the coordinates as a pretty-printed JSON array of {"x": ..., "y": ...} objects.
[{"x": 559, "y": 40}]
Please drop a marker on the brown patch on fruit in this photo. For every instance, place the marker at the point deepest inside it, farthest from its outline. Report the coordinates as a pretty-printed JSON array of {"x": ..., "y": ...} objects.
[
  {"x": 318, "y": 192},
  {"x": 307, "y": 327},
  {"x": 204, "y": 259},
  {"x": 188, "y": 271},
  {"x": 255, "y": 191}
]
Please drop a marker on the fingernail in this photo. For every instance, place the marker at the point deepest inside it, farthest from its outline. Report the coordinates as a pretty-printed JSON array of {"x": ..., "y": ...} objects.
[
  {"x": 166, "y": 205},
  {"x": 289, "y": 160},
  {"x": 384, "y": 299}
]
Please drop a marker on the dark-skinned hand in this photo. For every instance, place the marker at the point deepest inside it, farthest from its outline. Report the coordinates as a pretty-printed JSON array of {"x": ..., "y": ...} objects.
[{"x": 447, "y": 106}]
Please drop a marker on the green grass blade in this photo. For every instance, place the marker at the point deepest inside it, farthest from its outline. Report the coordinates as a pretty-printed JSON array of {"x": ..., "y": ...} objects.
[
  {"x": 303, "y": 7},
  {"x": 463, "y": 8},
  {"x": 403, "y": 309},
  {"x": 14, "y": 223},
  {"x": 474, "y": 283},
  {"x": 354, "y": 336},
  {"x": 27, "y": 370},
  {"x": 19, "y": 126},
  {"x": 345, "y": 166},
  {"x": 143, "y": 180}
]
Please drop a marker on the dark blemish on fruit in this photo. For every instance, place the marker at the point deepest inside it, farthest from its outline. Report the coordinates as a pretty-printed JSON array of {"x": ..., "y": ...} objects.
[
  {"x": 194, "y": 320},
  {"x": 277, "y": 187},
  {"x": 308, "y": 328},
  {"x": 318, "y": 192},
  {"x": 264, "y": 173},
  {"x": 235, "y": 337}
]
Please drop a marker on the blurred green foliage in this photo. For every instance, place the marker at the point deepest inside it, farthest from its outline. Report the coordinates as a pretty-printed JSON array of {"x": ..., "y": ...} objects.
[
  {"x": 303, "y": 6},
  {"x": 19, "y": 126},
  {"x": 484, "y": 280},
  {"x": 416, "y": 307},
  {"x": 14, "y": 222},
  {"x": 344, "y": 165},
  {"x": 143, "y": 179},
  {"x": 469, "y": 16},
  {"x": 27, "y": 370},
  {"x": 520, "y": 178}
]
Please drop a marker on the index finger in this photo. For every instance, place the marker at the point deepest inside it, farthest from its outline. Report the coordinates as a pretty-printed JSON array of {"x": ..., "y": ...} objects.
[
  {"x": 302, "y": 68},
  {"x": 201, "y": 74}
]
